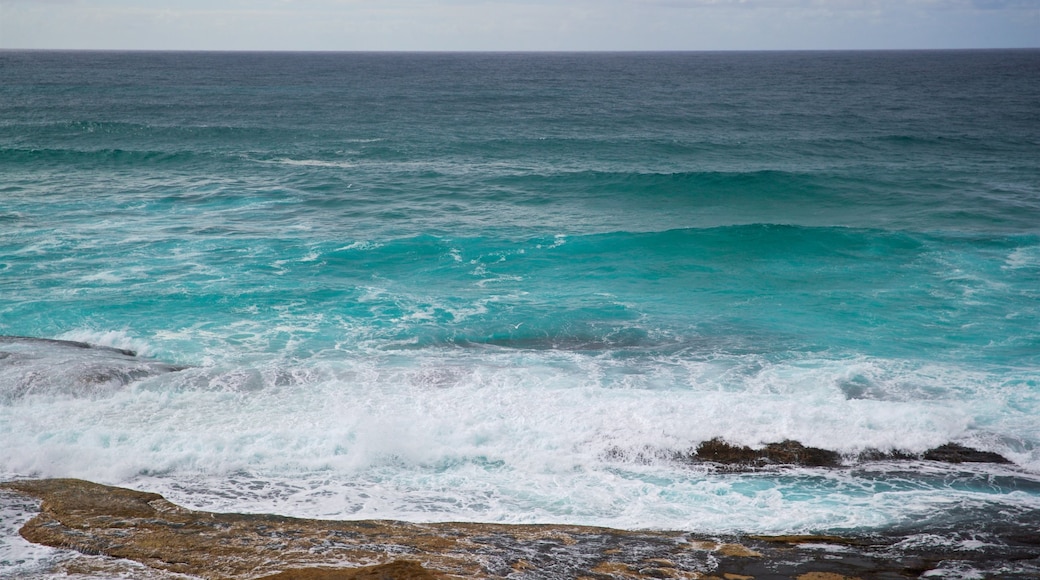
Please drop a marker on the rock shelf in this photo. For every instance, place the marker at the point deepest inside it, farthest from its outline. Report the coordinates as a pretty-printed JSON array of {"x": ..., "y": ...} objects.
[{"x": 115, "y": 523}]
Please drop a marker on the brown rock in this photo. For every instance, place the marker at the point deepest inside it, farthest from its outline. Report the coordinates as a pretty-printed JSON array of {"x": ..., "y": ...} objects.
[
  {"x": 397, "y": 570},
  {"x": 954, "y": 453},
  {"x": 616, "y": 570},
  {"x": 718, "y": 451},
  {"x": 144, "y": 527},
  {"x": 794, "y": 453},
  {"x": 784, "y": 453},
  {"x": 808, "y": 539},
  {"x": 124, "y": 524},
  {"x": 738, "y": 551},
  {"x": 948, "y": 453},
  {"x": 893, "y": 455}
]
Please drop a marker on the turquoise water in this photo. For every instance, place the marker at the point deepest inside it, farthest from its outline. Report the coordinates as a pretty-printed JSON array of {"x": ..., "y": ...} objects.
[{"x": 510, "y": 287}]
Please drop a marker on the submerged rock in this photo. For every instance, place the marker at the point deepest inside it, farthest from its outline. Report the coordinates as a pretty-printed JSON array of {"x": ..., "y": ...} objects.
[
  {"x": 14, "y": 340},
  {"x": 41, "y": 366}
]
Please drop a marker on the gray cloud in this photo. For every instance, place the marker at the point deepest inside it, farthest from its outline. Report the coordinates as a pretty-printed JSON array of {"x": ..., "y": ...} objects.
[{"x": 518, "y": 24}]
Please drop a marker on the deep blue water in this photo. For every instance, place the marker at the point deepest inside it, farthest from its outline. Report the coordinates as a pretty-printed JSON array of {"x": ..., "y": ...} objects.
[{"x": 509, "y": 287}]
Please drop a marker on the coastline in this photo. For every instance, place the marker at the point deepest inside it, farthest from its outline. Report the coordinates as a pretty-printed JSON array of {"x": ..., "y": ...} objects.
[{"x": 115, "y": 526}]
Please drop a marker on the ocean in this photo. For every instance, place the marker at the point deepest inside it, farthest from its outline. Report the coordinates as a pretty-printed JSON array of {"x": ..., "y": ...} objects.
[{"x": 523, "y": 287}]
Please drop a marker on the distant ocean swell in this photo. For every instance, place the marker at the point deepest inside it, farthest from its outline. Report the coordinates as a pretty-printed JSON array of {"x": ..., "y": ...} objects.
[{"x": 447, "y": 194}]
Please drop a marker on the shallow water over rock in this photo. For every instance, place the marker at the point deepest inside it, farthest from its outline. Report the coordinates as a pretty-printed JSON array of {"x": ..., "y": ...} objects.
[{"x": 40, "y": 366}]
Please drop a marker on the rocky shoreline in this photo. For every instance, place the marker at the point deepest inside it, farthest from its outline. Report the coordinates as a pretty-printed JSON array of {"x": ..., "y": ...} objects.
[{"x": 115, "y": 525}]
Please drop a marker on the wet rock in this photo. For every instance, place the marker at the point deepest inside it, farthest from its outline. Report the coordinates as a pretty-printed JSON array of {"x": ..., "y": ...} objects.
[
  {"x": 948, "y": 453},
  {"x": 784, "y": 453},
  {"x": 41, "y": 366},
  {"x": 64, "y": 344},
  {"x": 789, "y": 452},
  {"x": 892, "y": 455},
  {"x": 112, "y": 522},
  {"x": 794, "y": 453},
  {"x": 798, "y": 539},
  {"x": 101, "y": 520},
  {"x": 397, "y": 570},
  {"x": 954, "y": 453}
]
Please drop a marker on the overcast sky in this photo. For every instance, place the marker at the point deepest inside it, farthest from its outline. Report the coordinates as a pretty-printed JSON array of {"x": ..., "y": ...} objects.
[{"x": 518, "y": 24}]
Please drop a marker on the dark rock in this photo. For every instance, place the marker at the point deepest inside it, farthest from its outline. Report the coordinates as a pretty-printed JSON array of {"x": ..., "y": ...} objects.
[
  {"x": 954, "y": 453},
  {"x": 396, "y": 570},
  {"x": 948, "y": 453},
  {"x": 718, "y": 451},
  {"x": 784, "y": 453},
  {"x": 893, "y": 455},
  {"x": 791, "y": 452},
  {"x": 794, "y": 453}
]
